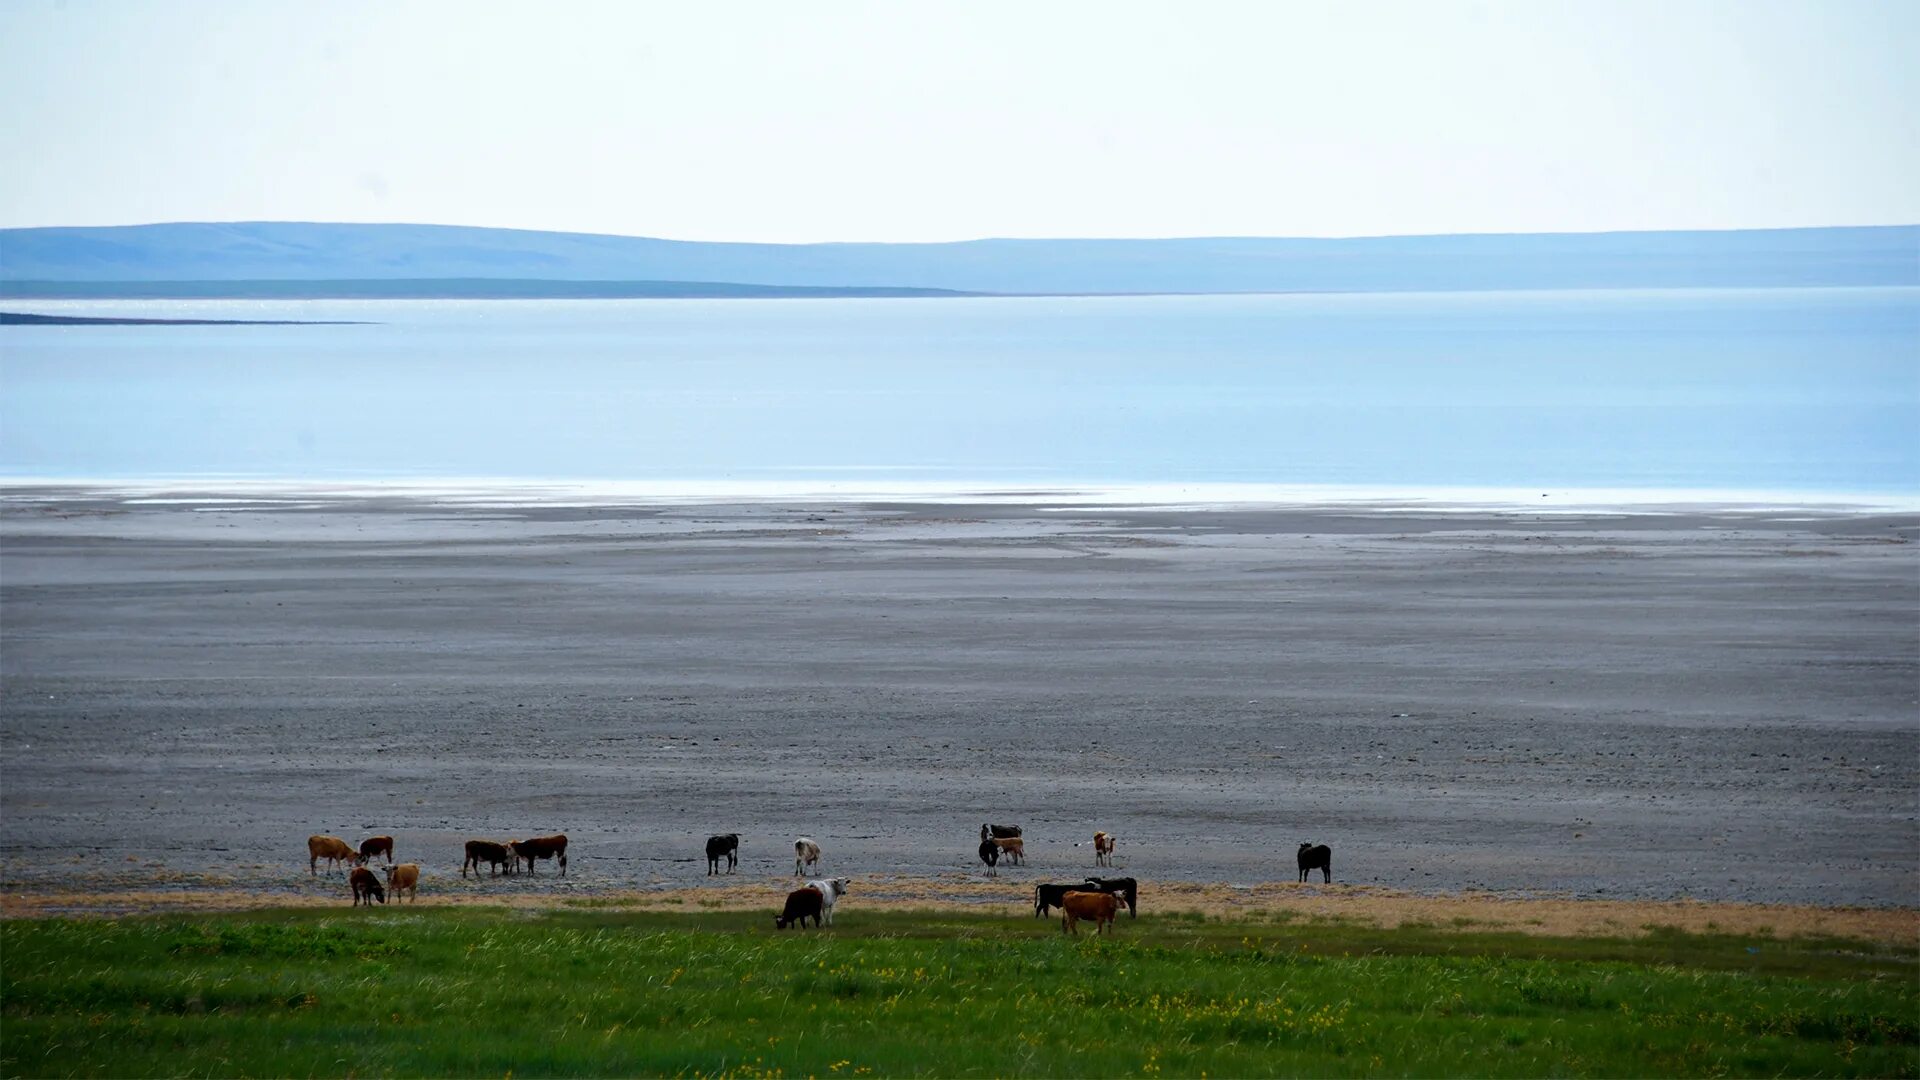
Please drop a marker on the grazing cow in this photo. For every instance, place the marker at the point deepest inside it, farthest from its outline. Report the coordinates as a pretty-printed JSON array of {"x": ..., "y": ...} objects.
[
  {"x": 331, "y": 848},
  {"x": 801, "y": 903},
  {"x": 376, "y": 845},
  {"x": 990, "y": 854},
  {"x": 1127, "y": 889},
  {"x": 831, "y": 890},
  {"x": 805, "y": 853},
  {"x": 1103, "y": 848},
  {"x": 1014, "y": 848},
  {"x": 365, "y": 884},
  {"x": 541, "y": 847},
  {"x": 492, "y": 852},
  {"x": 1100, "y": 907},
  {"x": 1319, "y": 858},
  {"x": 718, "y": 847},
  {"x": 404, "y": 878},
  {"x": 1048, "y": 896},
  {"x": 999, "y": 832}
]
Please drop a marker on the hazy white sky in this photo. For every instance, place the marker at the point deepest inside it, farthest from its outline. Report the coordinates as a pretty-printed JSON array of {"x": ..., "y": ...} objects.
[{"x": 921, "y": 121}]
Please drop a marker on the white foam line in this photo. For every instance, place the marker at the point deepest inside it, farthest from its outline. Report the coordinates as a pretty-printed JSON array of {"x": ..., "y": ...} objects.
[{"x": 491, "y": 492}]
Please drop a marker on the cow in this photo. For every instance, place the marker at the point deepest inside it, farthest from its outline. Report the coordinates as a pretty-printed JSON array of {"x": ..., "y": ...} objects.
[
  {"x": 801, "y": 904},
  {"x": 404, "y": 878},
  {"x": 376, "y": 845},
  {"x": 726, "y": 846},
  {"x": 492, "y": 852},
  {"x": 331, "y": 848},
  {"x": 831, "y": 890},
  {"x": 541, "y": 847},
  {"x": 805, "y": 853},
  {"x": 990, "y": 854},
  {"x": 1100, "y": 907},
  {"x": 1127, "y": 889},
  {"x": 1014, "y": 848},
  {"x": 1103, "y": 844},
  {"x": 999, "y": 832},
  {"x": 1048, "y": 895},
  {"x": 365, "y": 885},
  {"x": 1316, "y": 857}
]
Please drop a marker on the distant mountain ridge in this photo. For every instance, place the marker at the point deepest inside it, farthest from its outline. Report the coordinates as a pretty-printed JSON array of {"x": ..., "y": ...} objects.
[{"x": 205, "y": 253}]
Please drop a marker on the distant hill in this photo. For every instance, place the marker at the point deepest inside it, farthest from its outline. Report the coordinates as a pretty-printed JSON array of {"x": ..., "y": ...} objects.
[{"x": 292, "y": 251}]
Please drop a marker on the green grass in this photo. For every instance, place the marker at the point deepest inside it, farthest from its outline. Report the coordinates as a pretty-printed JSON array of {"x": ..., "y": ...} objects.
[{"x": 592, "y": 991}]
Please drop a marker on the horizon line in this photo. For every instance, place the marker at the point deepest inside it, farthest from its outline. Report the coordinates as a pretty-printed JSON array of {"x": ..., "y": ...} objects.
[{"x": 977, "y": 239}]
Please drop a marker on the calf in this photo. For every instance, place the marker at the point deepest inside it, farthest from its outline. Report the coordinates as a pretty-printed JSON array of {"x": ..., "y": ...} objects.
[
  {"x": 801, "y": 904},
  {"x": 1048, "y": 896},
  {"x": 999, "y": 832},
  {"x": 1127, "y": 889},
  {"x": 541, "y": 847},
  {"x": 1316, "y": 857},
  {"x": 365, "y": 885},
  {"x": 719, "y": 847},
  {"x": 404, "y": 878},
  {"x": 990, "y": 854},
  {"x": 1097, "y": 906},
  {"x": 376, "y": 845},
  {"x": 1014, "y": 848},
  {"x": 1103, "y": 848},
  {"x": 491, "y": 852},
  {"x": 331, "y": 848},
  {"x": 831, "y": 890},
  {"x": 805, "y": 853}
]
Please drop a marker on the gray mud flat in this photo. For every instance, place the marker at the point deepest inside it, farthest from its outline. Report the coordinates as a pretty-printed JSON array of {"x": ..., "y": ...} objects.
[{"x": 1702, "y": 704}]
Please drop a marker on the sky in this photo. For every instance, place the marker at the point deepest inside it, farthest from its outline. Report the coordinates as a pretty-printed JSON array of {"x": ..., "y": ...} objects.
[{"x": 786, "y": 122}]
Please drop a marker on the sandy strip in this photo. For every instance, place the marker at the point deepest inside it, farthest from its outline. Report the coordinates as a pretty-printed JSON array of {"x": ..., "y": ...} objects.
[{"x": 1274, "y": 901}]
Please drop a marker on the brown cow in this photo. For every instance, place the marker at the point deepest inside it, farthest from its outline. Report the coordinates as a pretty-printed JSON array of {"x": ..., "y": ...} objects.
[
  {"x": 492, "y": 852},
  {"x": 404, "y": 878},
  {"x": 802, "y": 904},
  {"x": 365, "y": 885},
  {"x": 541, "y": 847},
  {"x": 1103, "y": 843},
  {"x": 331, "y": 848},
  {"x": 376, "y": 845},
  {"x": 1012, "y": 848},
  {"x": 1097, "y": 906}
]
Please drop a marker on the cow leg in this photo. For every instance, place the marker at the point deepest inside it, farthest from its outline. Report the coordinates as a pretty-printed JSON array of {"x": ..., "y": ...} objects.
[{"x": 563, "y": 864}]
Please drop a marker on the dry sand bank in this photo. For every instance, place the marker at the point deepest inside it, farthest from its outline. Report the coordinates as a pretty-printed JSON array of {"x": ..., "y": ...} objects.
[
  {"x": 1278, "y": 902},
  {"x": 1703, "y": 704}
]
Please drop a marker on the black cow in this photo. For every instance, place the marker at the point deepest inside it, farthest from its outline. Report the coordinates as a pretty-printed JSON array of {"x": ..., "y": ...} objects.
[
  {"x": 1127, "y": 889},
  {"x": 990, "y": 854},
  {"x": 999, "y": 832},
  {"x": 1047, "y": 896},
  {"x": 1316, "y": 858},
  {"x": 727, "y": 846},
  {"x": 491, "y": 852}
]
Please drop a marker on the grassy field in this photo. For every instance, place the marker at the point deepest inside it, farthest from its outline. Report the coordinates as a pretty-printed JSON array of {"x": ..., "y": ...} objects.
[{"x": 596, "y": 990}]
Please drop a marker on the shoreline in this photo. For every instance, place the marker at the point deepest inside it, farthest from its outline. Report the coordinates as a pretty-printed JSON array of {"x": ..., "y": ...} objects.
[{"x": 509, "y": 492}]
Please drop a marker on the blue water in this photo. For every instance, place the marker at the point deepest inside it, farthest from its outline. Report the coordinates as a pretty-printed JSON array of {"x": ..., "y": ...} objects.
[{"x": 1783, "y": 389}]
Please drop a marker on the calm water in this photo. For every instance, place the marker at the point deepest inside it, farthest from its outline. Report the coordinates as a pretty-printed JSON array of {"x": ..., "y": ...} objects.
[{"x": 1803, "y": 390}]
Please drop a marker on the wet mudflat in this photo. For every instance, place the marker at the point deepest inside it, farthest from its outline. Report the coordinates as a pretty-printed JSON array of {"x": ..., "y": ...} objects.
[{"x": 1699, "y": 704}]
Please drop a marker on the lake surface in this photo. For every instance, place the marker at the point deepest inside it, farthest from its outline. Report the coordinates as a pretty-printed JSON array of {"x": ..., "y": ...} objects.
[{"x": 1802, "y": 390}]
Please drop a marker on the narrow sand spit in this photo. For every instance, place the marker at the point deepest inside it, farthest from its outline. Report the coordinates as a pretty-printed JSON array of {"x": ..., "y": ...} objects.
[{"x": 1693, "y": 703}]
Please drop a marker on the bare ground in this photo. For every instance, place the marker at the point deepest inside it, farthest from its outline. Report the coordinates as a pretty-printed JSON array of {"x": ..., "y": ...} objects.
[{"x": 1700, "y": 705}]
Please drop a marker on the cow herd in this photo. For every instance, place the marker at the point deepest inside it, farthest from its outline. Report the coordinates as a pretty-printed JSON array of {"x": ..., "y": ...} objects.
[{"x": 1093, "y": 899}]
